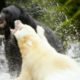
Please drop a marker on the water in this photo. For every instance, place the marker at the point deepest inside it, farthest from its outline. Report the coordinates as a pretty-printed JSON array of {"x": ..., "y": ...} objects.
[
  {"x": 3, "y": 60},
  {"x": 4, "y": 70},
  {"x": 73, "y": 50},
  {"x": 4, "y": 76}
]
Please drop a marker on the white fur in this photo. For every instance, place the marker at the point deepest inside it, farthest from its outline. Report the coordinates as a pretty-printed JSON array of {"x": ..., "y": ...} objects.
[
  {"x": 40, "y": 32},
  {"x": 40, "y": 60}
]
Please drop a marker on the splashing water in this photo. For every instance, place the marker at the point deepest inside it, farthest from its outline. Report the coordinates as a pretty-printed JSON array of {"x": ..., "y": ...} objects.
[
  {"x": 73, "y": 51},
  {"x": 4, "y": 74},
  {"x": 3, "y": 61}
]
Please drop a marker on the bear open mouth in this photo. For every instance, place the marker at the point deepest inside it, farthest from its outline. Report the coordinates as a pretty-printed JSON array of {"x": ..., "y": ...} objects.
[{"x": 1, "y": 21}]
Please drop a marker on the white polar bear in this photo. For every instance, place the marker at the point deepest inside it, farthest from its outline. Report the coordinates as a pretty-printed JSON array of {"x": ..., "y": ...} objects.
[{"x": 40, "y": 60}]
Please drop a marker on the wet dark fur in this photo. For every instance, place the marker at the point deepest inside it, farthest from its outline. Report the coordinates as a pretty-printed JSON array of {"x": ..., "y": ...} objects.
[{"x": 11, "y": 48}]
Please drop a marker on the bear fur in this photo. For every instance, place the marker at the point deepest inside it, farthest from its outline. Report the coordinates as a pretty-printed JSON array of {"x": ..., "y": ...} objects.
[
  {"x": 11, "y": 49},
  {"x": 40, "y": 60}
]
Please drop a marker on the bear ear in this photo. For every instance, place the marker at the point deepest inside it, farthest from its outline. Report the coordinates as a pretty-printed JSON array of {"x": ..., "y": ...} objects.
[{"x": 27, "y": 19}]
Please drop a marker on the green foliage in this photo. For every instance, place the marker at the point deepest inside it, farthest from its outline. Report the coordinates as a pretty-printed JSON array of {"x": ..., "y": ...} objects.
[{"x": 72, "y": 10}]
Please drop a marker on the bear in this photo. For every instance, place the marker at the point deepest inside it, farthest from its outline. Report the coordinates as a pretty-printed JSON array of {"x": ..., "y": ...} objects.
[
  {"x": 7, "y": 17},
  {"x": 13, "y": 12},
  {"x": 9, "y": 48},
  {"x": 40, "y": 60}
]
